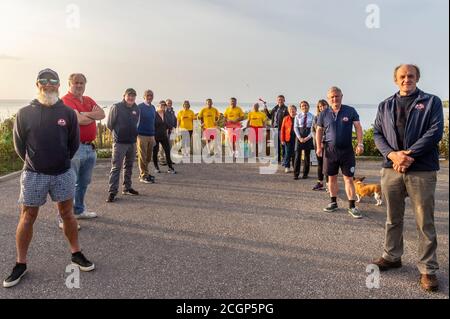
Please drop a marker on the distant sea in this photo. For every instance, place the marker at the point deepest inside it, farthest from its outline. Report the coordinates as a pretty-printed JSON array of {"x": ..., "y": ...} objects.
[{"x": 367, "y": 112}]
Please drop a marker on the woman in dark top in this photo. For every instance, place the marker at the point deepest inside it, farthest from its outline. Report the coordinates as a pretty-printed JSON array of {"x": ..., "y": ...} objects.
[
  {"x": 321, "y": 105},
  {"x": 162, "y": 137}
]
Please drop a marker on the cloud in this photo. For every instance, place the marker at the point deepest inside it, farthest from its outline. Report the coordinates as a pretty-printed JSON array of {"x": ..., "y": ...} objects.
[{"x": 9, "y": 57}]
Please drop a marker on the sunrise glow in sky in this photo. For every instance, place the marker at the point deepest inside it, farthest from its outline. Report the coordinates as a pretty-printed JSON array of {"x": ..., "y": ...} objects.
[{"x": 194, "y": 49}]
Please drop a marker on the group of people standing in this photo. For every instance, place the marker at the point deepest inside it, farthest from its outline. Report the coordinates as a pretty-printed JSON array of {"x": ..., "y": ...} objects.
[{"x": 54, "y": 137}]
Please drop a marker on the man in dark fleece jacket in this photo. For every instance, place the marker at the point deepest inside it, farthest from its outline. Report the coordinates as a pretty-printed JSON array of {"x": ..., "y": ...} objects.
[
  {"x": 46, "y": 137},
  {"x": 123, "y": 123},
  {"x": 276, "y": 115},
  {"x": 407, "y": 131}
]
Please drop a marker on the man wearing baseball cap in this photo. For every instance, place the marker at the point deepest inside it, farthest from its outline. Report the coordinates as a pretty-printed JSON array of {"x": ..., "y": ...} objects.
[
  {"x": 46, "y": 137},
  {"x": 123, "y": 123}
]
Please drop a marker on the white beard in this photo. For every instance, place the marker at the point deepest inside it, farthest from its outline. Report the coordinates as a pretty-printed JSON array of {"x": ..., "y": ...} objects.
[{"x": 48, "y": 98}]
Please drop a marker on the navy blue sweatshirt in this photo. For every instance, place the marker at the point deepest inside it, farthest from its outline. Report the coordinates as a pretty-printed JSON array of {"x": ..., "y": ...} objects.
[
  {"x": 46, "y": 138},
  {"x": 146, "y": 125},
  {"x": 123, "y": 122}
]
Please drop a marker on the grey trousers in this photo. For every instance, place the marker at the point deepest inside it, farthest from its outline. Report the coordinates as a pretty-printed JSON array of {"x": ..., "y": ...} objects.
[
  {"x": 122, "y": 154},
  {"x": 420, "y": 187}
]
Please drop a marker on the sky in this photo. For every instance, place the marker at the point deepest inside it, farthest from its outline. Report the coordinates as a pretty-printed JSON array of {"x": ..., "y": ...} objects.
[{"x": 196, "y": 49}]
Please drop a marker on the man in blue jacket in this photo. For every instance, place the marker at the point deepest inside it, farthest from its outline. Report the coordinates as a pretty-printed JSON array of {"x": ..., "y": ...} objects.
[
  {"x": 123, "y": 123},
  {"x": 407, "y": 131}
]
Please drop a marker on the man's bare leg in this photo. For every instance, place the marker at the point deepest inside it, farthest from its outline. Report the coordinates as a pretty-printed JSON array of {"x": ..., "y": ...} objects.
[
  {"x": 24, "y": 232},
  {"x": 70, "y": 224}
]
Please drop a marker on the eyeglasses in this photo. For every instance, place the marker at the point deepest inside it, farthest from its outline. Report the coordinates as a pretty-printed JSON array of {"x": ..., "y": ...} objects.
[{"x": 48, "y": 81}]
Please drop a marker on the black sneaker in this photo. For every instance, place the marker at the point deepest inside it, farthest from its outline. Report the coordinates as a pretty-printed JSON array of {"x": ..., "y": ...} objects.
[
  {"x": 81, "y": 261},
  {"x": 18, "y": 272},
  {"x": 331, "y": 207},
  {"x": 111, "y": 198},
  {"x": 296, "y": 178},
  {"x": 171, "y": 171},
  {"x": 151, "y": 179},
  {"x": 318, "y": 187},
  {"x": 130, "y": 191}
]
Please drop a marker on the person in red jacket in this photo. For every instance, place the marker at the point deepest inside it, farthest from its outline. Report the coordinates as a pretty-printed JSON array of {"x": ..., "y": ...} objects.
[{"x": 287, "y": 137}]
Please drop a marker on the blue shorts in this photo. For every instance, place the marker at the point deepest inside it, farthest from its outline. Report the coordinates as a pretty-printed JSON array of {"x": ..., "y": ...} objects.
[
  {"x": 335, "y": 158},
  {"x": 34, "y": 188}
]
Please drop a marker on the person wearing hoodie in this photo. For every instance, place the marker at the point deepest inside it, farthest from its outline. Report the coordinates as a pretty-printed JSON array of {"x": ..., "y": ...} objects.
[{"x": 47, "y": 168}]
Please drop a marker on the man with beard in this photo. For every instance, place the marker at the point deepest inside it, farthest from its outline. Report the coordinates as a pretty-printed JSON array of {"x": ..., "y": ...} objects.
[{"x": 46, "y": 137}]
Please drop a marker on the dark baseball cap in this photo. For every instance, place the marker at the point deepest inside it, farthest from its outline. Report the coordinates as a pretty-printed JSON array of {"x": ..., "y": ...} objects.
[
  {"x": 130, "y": 91},
  {"x": 48, "y": 72}
]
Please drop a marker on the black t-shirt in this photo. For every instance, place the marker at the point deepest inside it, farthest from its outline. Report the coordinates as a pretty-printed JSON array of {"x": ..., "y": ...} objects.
[{"x": 404, "y": 105}]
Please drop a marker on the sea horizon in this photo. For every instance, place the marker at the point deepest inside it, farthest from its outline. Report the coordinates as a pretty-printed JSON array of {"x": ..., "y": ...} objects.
[{"x": 367, "y": 112}]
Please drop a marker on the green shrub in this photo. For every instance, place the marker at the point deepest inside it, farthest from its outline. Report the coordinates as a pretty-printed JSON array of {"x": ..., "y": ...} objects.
[
  {"x": 369, "y": 143},
  {"x": 104, "y": 153},
  {"x": 9, "y": 161}
]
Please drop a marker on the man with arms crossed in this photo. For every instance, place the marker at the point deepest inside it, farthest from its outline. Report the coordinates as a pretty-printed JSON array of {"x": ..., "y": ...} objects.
[{"x": 84, "y": 160}]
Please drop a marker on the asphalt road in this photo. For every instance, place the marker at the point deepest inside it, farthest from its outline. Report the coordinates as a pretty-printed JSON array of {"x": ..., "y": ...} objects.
[{"x": 220, "y": 231}]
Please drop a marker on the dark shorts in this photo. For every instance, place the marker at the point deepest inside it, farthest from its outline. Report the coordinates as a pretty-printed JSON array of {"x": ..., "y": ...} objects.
[{"x": 339, "y": 158}]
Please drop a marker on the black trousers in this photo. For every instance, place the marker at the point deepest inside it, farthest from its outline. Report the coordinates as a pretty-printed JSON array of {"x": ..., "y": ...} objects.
[
  {"x": 298, "y": 160},
  {"x": 320, "y": 175},
  {"x": 166, "y": 146}
]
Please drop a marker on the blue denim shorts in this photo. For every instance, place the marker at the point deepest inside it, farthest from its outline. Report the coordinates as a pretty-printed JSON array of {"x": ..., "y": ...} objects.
[{"x": 34, "y": 188}]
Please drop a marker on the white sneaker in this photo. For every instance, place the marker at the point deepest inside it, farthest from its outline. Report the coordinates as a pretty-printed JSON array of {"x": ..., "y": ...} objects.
[
  {"x": 61, "y": 225},
  {"x": 86, "y": 215},
  {"x": 287, "y": 170}
]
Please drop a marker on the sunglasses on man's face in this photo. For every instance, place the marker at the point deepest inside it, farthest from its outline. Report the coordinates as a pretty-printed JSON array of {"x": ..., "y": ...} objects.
[{"x": 48, "y": 82}]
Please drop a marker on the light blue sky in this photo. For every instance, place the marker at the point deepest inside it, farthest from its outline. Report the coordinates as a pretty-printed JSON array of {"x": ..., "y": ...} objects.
[{"x": 194, "y": 49}]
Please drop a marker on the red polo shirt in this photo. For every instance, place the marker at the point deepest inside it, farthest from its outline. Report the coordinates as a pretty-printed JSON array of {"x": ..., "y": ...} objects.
[{"x": 87, "y": 132}]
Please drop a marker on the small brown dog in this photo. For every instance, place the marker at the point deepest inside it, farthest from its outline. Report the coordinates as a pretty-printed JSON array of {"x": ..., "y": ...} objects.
[{"x": 363, "y": 190}]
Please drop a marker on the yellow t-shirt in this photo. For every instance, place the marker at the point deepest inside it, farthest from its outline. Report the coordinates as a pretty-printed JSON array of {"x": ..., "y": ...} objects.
[
  {"x": 210, "y": 116},
  {"x": 186, "y": 118},
  {"x": 232, "y": 114},
  {"x": 257, "y": 119}
]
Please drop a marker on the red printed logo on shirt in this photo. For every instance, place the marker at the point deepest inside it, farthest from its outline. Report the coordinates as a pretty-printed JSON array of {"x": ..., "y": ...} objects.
[
  {"x": 62, "y": 122},
  {"x": 345, "y": 119},
  {"x": 420, "y": 107}
]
